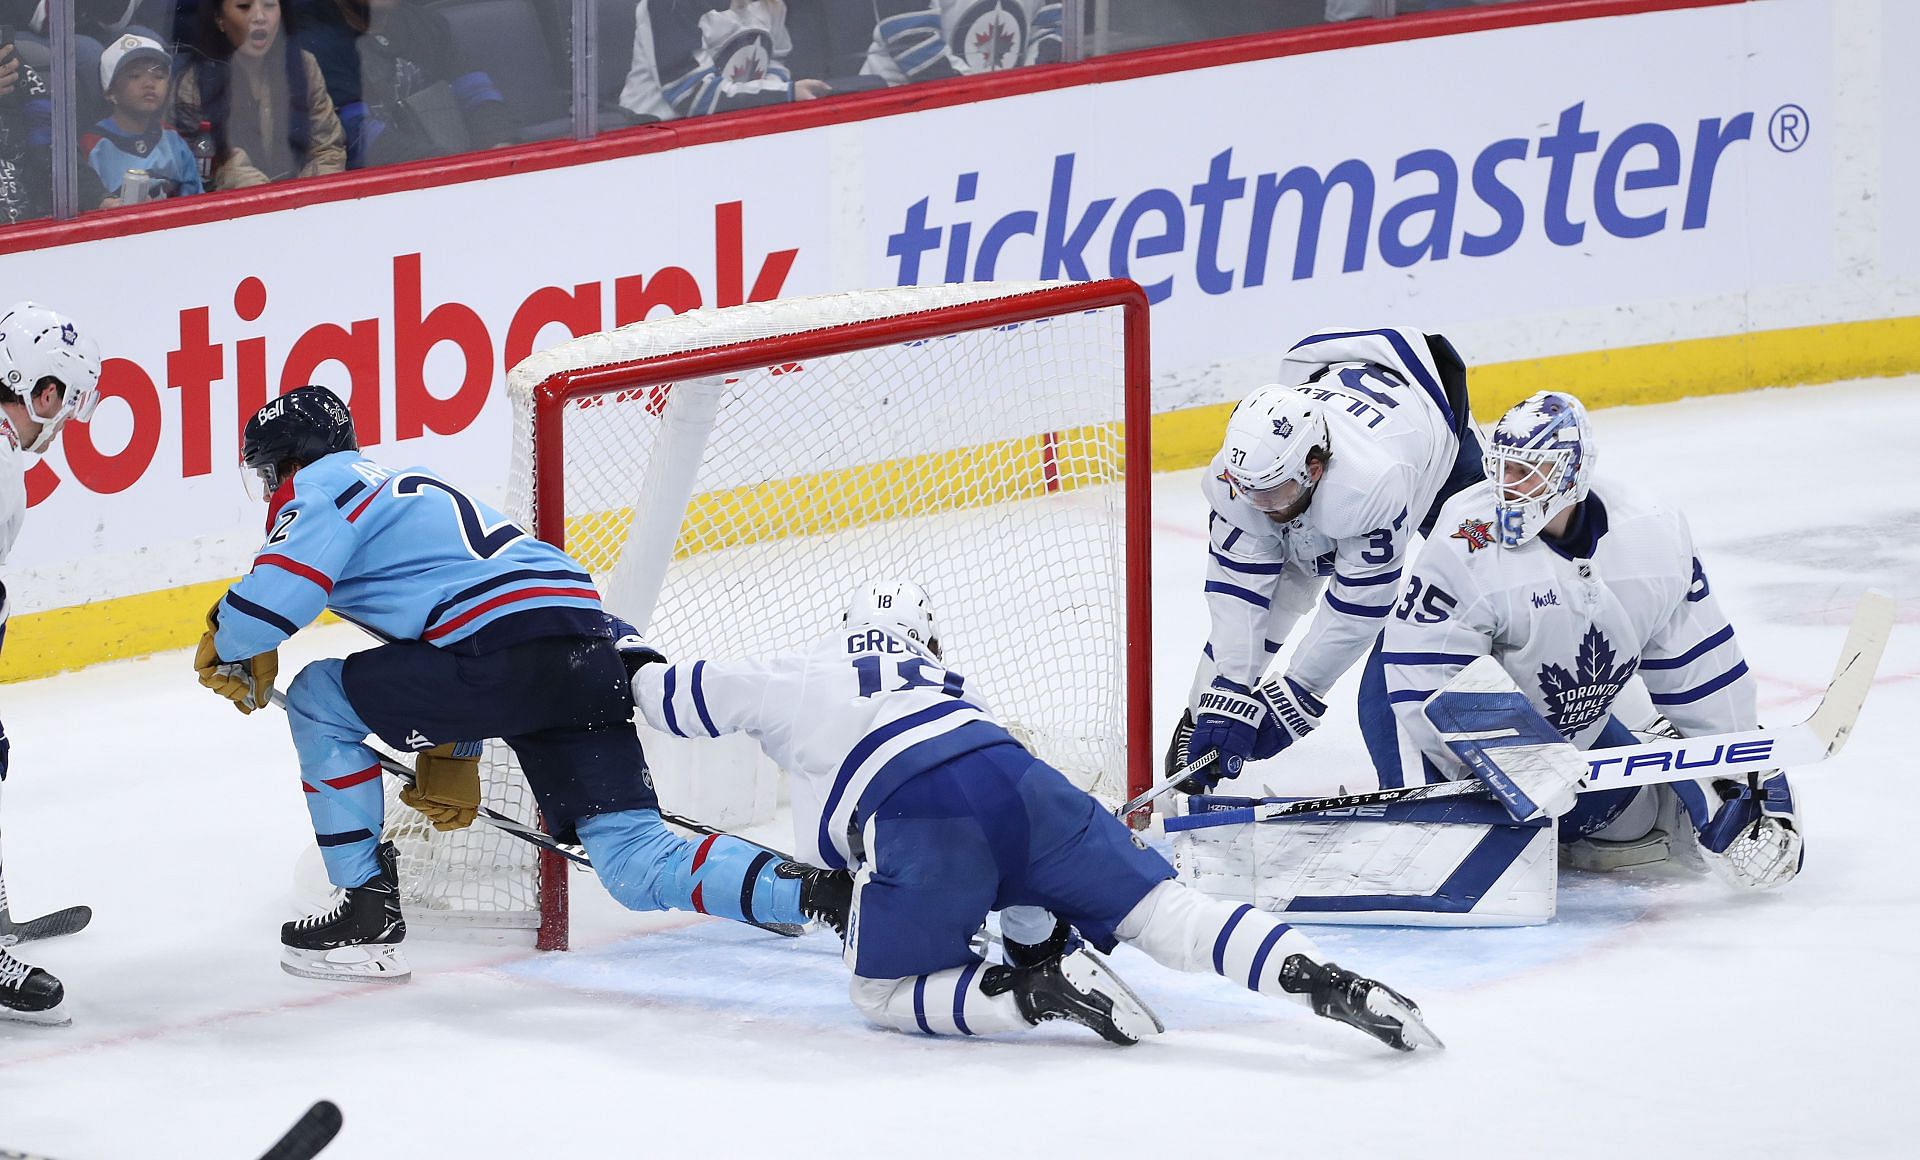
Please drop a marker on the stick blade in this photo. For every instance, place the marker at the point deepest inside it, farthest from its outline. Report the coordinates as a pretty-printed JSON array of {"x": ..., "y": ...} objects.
[
  {"x": 1853, "y": 676},
  {"x": 68, "y": 921},
  {"x": 311, "y": 1132}
]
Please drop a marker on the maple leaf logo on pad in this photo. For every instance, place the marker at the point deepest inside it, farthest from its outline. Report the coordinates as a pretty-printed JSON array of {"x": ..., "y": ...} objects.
[{"x": 1576, "y": 700}]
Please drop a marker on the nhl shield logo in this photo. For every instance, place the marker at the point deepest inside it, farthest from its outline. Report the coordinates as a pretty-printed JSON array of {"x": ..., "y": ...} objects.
[{"x": 1477, "y": 533}]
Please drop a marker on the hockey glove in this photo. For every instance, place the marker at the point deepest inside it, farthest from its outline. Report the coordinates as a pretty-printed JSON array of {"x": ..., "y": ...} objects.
[
  {"x": 1294, "y": 714},
  {"x": 634, "y": 651},
  {"x": 1226, "y": 723},
  {"x": 446, "y": 785},
  {"x": 1753, "y": 840},
  {"x": 246, "y": 683}
]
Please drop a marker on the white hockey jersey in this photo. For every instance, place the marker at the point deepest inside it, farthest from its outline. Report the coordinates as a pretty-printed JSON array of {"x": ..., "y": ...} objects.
[
  {"x": 1391, "y": 427},
  {"x": 849, "y": 719},
  {"x": 13, "y": 488},
  {"x": 916, "y": 40},
  {"x": 1570, "y": 623}
]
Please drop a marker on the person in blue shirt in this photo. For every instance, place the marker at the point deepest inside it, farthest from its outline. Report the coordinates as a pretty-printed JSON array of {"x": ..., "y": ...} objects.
[
  {"x": 492, "y": 633},
  {"x": 136, "y": 74}
]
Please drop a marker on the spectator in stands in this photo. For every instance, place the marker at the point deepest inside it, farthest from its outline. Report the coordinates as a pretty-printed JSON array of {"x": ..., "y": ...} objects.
[
  {"x": 693, "y": 57},
  {"x": 26, "y": 131},
  {"x": 401, "y": 91},
  {"x": 263, "y": 96},
  {"x": 922, "y": 40},
  {"x": 135, "y": 73}
]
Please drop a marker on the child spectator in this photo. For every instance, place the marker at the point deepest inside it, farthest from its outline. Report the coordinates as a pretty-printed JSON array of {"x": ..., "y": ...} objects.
[
  {"x": 265, "y": 98},
  {"x": 693, "y": 57},
  {"x": 398, "y": 83},
  {"x": 135, "y": 73}
]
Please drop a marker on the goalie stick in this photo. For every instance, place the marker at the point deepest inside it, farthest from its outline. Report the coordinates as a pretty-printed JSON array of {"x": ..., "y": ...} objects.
[
  {"x": 314, "y": 1130},
  {"x": 1819, "y": 737}
]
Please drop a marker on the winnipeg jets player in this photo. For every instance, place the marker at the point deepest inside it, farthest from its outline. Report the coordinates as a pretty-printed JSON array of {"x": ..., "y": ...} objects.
[
  {"x": 1322, "y": 481},
  {"x": 1573, "y": 587},
  {"x": 49, "y": 373},
  {"x": 921, "y": 40},
  {"x": 898, "y": 773},
  {"x": 494, "y": 634}
]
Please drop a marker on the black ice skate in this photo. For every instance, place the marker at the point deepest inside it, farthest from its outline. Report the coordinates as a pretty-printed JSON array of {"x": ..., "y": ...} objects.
[
  {"x": 825, "y": 895},
  {"x": 359, "y": 939},
  {"x": 1345, "y": 997},
  {"x": 29, "y": 994},
  {"x": 1079, "y": 988}
]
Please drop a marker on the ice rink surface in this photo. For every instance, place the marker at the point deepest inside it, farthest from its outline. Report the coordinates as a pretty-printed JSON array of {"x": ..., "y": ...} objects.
[{"x": 1659, "y": 1015}]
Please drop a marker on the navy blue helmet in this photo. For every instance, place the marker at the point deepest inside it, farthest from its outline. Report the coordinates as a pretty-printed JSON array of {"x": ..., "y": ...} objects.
[{"x": 301, "y": 426}]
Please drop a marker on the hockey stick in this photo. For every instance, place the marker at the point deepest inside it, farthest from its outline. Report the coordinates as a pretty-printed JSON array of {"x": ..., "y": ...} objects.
[
  {"x": 67, "y": 921},
  {"x": 314, "y": 1130},
  {"x": 1817, "y": 738},
  {"x": 1175, "y": 778}
]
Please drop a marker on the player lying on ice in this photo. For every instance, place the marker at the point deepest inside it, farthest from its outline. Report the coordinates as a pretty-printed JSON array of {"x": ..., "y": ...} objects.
[
  {"x": 493, "y": 634},
  {"x": 1574, "y": 587},
  {"x": 898, "y": 775},
  {"x": 1319, "y": 486}
]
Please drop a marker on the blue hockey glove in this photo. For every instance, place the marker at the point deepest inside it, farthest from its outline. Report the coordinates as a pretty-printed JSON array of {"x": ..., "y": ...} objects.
[
  {"x": 1226, "y": 724},
  {"x": 1294, "y": 714},
  {"x": 635, "y": 652}
]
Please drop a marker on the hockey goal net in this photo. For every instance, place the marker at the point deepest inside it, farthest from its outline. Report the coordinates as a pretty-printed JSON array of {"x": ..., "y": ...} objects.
[{"x": 729, "y": 476}]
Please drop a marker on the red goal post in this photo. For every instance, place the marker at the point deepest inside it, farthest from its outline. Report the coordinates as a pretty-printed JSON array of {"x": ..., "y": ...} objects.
[{"x": 727, "y": 475}]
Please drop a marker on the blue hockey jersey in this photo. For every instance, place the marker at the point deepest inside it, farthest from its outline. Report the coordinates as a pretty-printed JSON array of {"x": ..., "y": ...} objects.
[{"x": 408, "y": 555}]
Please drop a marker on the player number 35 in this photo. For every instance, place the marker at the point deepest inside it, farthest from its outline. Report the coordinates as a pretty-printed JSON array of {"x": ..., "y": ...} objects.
[{"x": 1425, "y": 603}]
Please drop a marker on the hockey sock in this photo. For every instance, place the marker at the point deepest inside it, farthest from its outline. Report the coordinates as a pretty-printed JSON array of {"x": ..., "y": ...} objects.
[
  {"x": 340, "y": 775},
  {"x": 1190, "y": 931},
  {"x": 944, "y": 1003},
  {"x": 646, "y": 866}
]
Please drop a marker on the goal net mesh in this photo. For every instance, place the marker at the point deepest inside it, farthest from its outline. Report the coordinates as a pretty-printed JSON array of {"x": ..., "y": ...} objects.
[{"x": 731, "y": 514}]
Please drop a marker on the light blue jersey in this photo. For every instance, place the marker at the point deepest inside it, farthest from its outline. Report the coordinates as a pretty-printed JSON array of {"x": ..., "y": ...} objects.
[{"x": 408, "y": 555}]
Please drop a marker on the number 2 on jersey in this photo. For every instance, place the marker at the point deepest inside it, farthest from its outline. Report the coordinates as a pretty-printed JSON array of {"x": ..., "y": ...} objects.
[{"x": 483, "y": 541}]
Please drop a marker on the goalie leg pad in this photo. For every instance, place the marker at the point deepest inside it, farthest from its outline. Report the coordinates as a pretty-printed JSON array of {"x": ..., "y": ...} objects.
[{"x": 646, "y": 866}]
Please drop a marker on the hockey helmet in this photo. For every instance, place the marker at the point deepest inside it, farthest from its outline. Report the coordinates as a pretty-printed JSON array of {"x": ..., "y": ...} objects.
[
  {"x": 1269, "y": 438},
  {"x": 301, "y": 426},
  {"x": 900, "y": 606},
  {"x": 37, "y": 344},
  {"x": 1540, "y": 462}
]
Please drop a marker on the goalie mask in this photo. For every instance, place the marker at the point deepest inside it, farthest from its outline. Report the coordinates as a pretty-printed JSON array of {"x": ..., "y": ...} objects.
[
  {"x": 301, "y": 426},
  {"x": 1540, "y": 462},
  {"x": 899, "y": 606},
  {"x": 37, "y": 344},
  {"x": 1269, "y": 438}
]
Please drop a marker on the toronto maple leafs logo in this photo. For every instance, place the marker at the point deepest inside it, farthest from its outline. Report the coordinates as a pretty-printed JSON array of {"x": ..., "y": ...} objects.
[
  {"x": 1576, "y": 700},
  {"x": 68, "y": 334},
  {"x": 1477, "y": 533}
]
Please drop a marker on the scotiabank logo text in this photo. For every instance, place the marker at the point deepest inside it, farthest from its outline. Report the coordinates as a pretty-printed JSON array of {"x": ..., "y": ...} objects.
[
  {"x": 220, "y": 354},
  {"x": 1647, "y": 178}
]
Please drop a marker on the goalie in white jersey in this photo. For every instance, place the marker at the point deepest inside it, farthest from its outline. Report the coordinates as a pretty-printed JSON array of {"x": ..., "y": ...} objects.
[
  {"x": 1574, "y": 587},
  {"x": 1318, "y": 489},
  {"x": 897, "y": 773}
]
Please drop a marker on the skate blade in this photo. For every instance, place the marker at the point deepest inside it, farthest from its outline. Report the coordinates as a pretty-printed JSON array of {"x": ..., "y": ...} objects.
[
  {"x": 1413, "y": 1029},
  {"x": 376, "y": 963},
  {"x": 52, "y": 1017},
  {"x": 1120, "y": 985},
  {"x": 1131, "y": 1018}
]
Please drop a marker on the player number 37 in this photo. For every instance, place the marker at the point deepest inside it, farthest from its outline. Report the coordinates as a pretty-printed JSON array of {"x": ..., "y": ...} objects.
[{"x": 1425, "y": 603}]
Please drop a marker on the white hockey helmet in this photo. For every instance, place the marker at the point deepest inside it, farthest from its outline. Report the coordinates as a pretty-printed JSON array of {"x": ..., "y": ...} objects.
[
  {"x": 37, "y": 344},
  {"x": 898, "y": 605},
  {"x": 1540, "y": 461},
  {"x": 1268, "y": 440}
]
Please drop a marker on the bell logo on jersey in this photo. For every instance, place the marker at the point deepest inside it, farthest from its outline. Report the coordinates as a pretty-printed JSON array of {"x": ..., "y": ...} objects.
[
  {"x": 1477, "y": 533},
  {"x": 1576, "y": 700}
]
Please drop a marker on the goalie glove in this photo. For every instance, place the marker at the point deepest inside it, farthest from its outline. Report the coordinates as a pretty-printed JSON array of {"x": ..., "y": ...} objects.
[
  {"x": 1753, "y": 840},
  {"x": 446, "y": 784},
  {"x": 246, "y": 683}
]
